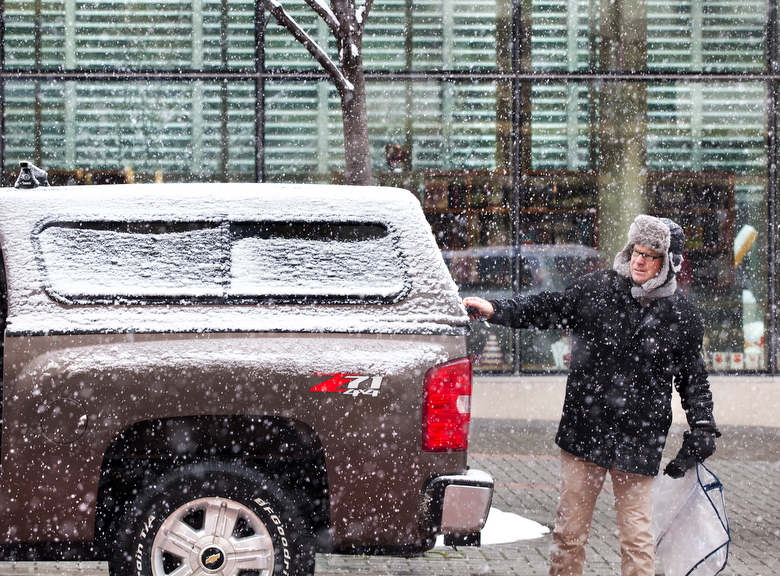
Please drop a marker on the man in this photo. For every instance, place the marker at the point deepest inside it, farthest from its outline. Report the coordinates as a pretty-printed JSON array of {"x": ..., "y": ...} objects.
[{"x": 633, "y": 336}]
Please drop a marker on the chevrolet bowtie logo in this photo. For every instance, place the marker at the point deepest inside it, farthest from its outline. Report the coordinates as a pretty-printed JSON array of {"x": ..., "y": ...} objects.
[{"x": 211, "y": 559}]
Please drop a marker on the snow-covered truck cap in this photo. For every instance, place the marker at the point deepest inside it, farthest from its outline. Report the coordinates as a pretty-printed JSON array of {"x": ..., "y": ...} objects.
[{"x": 223, "y": 257}]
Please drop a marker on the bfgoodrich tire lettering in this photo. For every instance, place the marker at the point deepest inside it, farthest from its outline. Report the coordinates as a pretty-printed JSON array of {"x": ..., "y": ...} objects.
[{"x": 213, "y": 518}]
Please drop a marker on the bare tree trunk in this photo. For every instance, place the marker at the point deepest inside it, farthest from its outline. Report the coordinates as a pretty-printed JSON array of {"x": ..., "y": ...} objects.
[
  {"x": 347, "y": 24},
  {"x": 357, "y": 152}
]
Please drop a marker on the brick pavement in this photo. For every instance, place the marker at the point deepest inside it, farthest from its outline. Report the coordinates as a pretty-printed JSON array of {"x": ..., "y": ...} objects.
[
  {"x": 747, "y": 463},
  {"x": 526, "y": 485}
]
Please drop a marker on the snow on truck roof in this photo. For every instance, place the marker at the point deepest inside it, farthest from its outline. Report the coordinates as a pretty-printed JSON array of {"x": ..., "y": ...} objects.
[{"x": 222, "y": 257}]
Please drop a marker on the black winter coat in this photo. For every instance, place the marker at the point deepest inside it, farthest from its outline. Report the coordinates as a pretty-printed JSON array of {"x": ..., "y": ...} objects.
[{"x": 624, "y": 359}]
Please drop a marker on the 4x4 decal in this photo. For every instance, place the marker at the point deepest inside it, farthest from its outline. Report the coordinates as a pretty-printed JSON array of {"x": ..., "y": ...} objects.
[{"x": 356, "y": 384}]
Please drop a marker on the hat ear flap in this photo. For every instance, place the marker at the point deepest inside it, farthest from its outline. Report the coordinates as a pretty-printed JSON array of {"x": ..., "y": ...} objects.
[
  {"x": 676, "y": 243},
  {"x": 622, "y": 262},
  {"x": 676, "y": 262}
]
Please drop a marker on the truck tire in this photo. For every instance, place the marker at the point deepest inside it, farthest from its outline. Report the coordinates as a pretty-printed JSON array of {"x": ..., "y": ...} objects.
[{"x": 213, "y": 518}]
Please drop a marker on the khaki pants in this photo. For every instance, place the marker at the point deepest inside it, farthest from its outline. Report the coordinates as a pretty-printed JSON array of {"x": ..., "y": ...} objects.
[{"x": 581, "y": 483}]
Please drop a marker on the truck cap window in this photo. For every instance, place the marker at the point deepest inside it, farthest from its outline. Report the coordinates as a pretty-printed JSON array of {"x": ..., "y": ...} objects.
[{"x": 218, "y": 262}]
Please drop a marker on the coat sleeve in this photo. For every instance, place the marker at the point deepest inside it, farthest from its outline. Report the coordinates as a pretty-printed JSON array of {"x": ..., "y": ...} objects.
[
  {"x": 546, "y": 310},
  {"x": 691, "y": 378}
]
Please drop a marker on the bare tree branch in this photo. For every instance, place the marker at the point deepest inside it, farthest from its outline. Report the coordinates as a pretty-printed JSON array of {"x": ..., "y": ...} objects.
[
  {"x": 324, "y": 12},
  {"x": 287, "y": 21},
  {"x": 347, "y": 24},
  {"x": 366, "y": 8}
]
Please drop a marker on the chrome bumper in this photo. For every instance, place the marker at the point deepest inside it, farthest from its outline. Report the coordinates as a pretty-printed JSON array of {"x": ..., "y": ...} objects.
[{"x": 458, "y": 504}]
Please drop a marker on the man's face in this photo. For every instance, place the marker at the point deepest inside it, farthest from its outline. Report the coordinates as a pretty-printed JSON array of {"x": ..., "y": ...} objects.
[{"x": 643, "y": 267}]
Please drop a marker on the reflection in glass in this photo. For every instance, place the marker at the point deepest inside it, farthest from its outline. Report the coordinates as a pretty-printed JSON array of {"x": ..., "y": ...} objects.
[
  {"x": 702, "y": 164},
  {"x": 170, "y": 131},
  {"x": 434, "y": 126},
  {"x": 428, "y": 35},
  {"x": 133, "y": 34},
  {"x": 590, "y": 153},
  {"x": 677, "y": 36}
]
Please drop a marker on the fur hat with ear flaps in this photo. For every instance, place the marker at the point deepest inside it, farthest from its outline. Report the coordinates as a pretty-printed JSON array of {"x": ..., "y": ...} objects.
[{"x": 660, "y": 235}]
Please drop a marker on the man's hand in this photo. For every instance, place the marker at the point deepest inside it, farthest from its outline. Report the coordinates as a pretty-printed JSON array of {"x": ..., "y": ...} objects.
[
  {"x": 478, "y": 308},
  {"x": 698, "y": 445}
]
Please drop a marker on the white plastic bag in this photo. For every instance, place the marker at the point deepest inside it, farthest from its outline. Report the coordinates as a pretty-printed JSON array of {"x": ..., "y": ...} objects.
[{"x": 690, "y": 527}]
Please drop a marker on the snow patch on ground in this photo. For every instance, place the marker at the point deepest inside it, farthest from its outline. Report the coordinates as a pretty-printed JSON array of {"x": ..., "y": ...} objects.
[{"x": 505, "y": 527}]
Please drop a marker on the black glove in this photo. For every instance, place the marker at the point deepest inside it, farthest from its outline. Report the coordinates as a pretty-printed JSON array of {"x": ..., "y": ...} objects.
[{"x": 698, "y": 445}]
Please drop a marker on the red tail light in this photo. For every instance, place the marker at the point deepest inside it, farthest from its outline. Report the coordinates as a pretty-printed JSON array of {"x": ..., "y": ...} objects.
[{"x": 447, "y": 407}]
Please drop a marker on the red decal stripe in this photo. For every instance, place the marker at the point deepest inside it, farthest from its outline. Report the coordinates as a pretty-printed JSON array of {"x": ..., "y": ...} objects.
[{"x": 332, "y": 384}]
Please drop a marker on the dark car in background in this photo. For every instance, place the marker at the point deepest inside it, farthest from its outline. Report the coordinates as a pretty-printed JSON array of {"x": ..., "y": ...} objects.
[{"x": 489, "y": 272}]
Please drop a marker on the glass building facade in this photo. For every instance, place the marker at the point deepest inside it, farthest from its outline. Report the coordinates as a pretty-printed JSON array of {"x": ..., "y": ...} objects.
[{"x": 532, "y": 131}]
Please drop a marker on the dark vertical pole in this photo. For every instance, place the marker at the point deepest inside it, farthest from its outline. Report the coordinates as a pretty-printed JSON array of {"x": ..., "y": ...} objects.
[
  {"x": 409, "y": 63},
  {"x": 37, "y": 104},
  {"x": 224, "y": 133},
  {"x": 516, "y": 172},
  {"x": 772, "y": 150},
  {"x": 593, "y": 64},
  {"x": 259, "y": 91},
  {"x": 2, "y": 93}
]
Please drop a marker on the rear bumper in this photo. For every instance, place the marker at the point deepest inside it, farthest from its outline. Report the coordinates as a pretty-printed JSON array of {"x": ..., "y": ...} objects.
[{"x": 458, "y": 504}]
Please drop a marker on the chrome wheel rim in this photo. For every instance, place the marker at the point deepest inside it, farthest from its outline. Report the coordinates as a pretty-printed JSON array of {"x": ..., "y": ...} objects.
[{"x": 212, "y": 536}]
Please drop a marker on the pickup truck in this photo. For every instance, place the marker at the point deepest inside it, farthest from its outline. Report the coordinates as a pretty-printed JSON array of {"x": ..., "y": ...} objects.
[{"x": 229, "y": 378}]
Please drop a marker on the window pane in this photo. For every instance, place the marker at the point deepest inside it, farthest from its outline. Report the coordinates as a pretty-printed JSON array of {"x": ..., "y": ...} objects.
[
  {"x": 692, "y": 152},
  {"x": 457, "y": 34},
  {"x": 314, "y": 260},
  {"x": 659, "y": 35},
  {"x": 717, "y": 132},
  {"x": 685, "y": 126},
  {"x": 303, "y": 131},
  {"x": 470, "y": 216},
  {"x": 693, "y": 35},
  {"x": 384, "y": 41},
  {"x": 564, "y": 35},
  {"x": 173, "y": 131},
  {"x": 135, "y": 34},
  {"x": 284, "y": 51},
  {"x": 89, "y": 262},
  {"x": 712, "y": 126},
  {"x": 425, "y": 35},
  {"x": 562, "y": 120},
  {"x": 442, "y": 125},
  {"x": 132, "y": 262}
]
